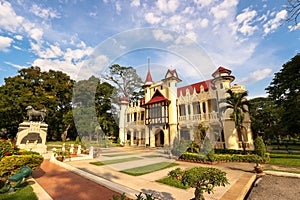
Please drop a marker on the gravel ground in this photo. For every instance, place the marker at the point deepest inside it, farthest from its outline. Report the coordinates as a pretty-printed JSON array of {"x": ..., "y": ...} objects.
[{"x": 276, "y": 188}]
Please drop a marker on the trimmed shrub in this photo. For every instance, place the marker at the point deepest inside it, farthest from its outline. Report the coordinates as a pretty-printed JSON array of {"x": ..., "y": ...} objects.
[
  {"x": 260, "y": 147},
  {"x": 7, "y": 148},
  {"x": 10, "y": 165}
]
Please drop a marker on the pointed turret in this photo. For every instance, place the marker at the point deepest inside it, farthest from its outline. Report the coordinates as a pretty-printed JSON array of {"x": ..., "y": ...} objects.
[{"x": 148, "y": 81}]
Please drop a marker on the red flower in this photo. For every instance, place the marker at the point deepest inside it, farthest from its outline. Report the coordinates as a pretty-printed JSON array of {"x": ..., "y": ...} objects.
[
  {"x": 15, "y": 147},
  {"x": 13, "y": 141},
  {"x": 7, "y": 153}
]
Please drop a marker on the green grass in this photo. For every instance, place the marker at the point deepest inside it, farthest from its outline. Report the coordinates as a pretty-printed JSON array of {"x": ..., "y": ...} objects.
[
  {"x": 117, "y": 155},
  {"x": 25, "y": 192},
  {"x": 109, "y": 162},
  {"x": 171, "y": 181},
  {"x": 285, "y": 159},
  {"x": 138, "y": 171},
  {"x": 153, "y": 156},
  {"x": 279, "y": 170},
  {"x": 283, "y": 147}
]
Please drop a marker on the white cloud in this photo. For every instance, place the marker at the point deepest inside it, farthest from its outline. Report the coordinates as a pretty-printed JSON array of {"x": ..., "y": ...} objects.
[
  {"x": 167, "y": 6},
  {"x": 19, "y": 37},
  {"x": 58, "y": 65},
  {"x": 135, "y": 3},
  {"x": 161, "y": 36},
  {"x": 44, "y": 13},
  {"x": 8, "y": 19},
  {"x": 5, "y": 42},
  {"x": 118, "y": 7},
  {"x": 203, "y": 23},
  {"x": 16, "y": 47},
  {"x": 244, "y": 22},
  {"x": 188, "y": 10},
  {"x": 203, "y": 3},
  {"x": 150, "y": 18},
  {"x": 257, "y": 75},
  {"x": 223, "y": 10},
  {"x": 274, "y": 23},
  {"x": 32, "y": 31},
  {"x": 192, "y": 35},
  {"x": 14, "y": 65},
  {"x": 76, "y": 55}
]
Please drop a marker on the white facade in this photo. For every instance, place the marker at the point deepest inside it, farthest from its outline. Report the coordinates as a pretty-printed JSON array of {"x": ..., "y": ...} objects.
[{"x": 167, "y": 112}]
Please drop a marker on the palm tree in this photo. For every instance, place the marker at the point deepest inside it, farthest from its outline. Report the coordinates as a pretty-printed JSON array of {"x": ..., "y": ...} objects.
[{"x": 238, "y": 103}]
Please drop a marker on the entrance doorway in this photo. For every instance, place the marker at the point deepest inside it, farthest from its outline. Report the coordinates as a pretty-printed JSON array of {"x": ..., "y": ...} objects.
[{"x": 159, "y": 138}]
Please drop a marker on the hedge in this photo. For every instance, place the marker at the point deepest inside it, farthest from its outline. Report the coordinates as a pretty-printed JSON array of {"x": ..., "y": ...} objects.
[
  {"x": 10, "y": 165},
  {"x": 251, "y": 158}
]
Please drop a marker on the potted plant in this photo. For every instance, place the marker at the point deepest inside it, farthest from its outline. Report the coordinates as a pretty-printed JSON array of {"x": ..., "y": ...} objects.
[
  {"x": 261, "y": 152},
  {"x": 59, "y": 154}
]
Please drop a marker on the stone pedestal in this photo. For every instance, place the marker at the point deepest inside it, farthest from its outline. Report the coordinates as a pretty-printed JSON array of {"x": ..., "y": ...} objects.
[{"x": 31, "y": 136}]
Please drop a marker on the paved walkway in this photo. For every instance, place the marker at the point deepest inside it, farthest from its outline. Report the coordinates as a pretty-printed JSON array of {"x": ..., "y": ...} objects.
[
  {"x": 78, "y": 179},
  {"x": 62, "y": 184}
]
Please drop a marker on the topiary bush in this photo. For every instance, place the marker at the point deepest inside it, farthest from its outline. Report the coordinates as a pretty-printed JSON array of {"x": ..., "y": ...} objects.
[
  {"x": 260, "y": 147},
  {"x": 7, "y": 148},
  {"x": 10, "y": 165}
]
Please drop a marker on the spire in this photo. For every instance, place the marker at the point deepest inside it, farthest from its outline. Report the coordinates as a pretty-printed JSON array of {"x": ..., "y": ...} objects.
[{"x": 148, "y": 80}]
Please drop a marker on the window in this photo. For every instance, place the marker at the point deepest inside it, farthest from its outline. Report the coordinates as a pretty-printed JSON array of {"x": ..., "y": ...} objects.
[
  {"x": 196, "y": 108},
  {"x": 182, "y": 110},
  {"x": 142, "y": 115},
  {"x": 203, "y": 107},
  {"x": 134, "y": 116},
  {"x": 128, "y": 117}
]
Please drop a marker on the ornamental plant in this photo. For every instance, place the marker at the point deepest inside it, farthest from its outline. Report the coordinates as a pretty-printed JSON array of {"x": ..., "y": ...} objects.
[
  {"x": 8, "y": 148},
  {"x": 204, "y": 180}
]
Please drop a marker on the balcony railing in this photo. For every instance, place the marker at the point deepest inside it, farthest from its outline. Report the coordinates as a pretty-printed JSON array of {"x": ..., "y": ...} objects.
[{"x": 199, "y": 117}]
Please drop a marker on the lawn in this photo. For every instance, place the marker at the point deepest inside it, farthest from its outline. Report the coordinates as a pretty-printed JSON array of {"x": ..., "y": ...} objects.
[
  {"x": 138, "y": 171},
  {"x": 171, "y": 181},
  {"x": 109, "y": 162},
  {"x": 118, "y": 154},
  {"x": 285, "y": 159},
  {"x": 25, "y": 192}
]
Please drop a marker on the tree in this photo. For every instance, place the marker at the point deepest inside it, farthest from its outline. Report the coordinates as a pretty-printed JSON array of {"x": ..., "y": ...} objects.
[
  {"x": 293, "y": 9},
  {"x": 126, "y": 80},
  {"x": 284, "y": 90},
  {"x": 204, "y": 180},
  {"x": 93, "y": 106},
  {"x": 265, "y": 118},
  {"x": 51, "y": 90},
  {"x": 238, "y": 104}
]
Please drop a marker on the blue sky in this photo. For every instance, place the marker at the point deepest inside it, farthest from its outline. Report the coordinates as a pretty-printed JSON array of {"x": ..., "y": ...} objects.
[{"x": 249, "y": 37}]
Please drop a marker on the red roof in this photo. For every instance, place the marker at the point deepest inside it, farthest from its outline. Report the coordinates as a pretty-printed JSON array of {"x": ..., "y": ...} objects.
[
  {"x": 222, "y": 69},
  {"x": 148, "y": 77},
  {"x": 157, "y": 97},
  {"x": 205, "y": 84}
]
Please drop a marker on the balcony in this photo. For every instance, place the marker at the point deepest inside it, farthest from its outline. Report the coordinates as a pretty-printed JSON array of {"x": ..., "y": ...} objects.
[{"x": 213, "y": 116}]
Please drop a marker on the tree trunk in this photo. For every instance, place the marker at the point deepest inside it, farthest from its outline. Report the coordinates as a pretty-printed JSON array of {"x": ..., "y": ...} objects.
[{"x": 199, "y": 194}]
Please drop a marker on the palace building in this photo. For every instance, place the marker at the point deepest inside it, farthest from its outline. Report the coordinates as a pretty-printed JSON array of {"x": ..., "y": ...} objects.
[{"x": 168, "y": 111}]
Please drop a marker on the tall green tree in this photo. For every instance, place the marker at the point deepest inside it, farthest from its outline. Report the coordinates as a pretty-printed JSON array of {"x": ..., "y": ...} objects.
[
  {"x": 265, "y": 118},
  {"x": 238, "y": 106},
  {"x": 51, "y": 90},
  {"x": 93, "y": 107},
  {"x": 284, "y": 90},
  {"x": 126, "y": 80}
]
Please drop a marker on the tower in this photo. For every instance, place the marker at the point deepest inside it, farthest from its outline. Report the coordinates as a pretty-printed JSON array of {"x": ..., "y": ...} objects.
[
  {"x": 171, "y": 79},
  {"x": 123, "y": 105}
]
